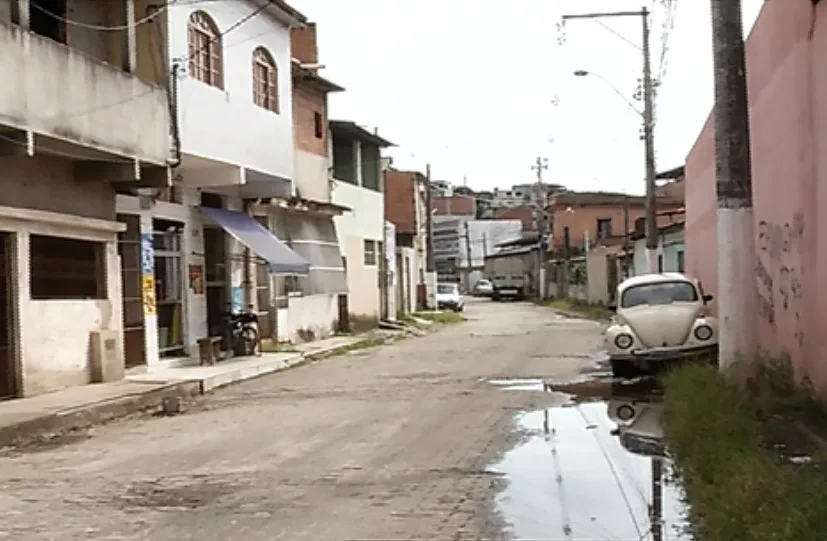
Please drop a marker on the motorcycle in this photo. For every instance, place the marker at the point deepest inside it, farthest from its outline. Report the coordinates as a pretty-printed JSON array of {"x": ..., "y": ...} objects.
[{"x": 241, "y": 332}]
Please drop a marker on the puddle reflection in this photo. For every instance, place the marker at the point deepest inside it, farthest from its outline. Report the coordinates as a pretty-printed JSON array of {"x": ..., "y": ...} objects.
[{"x": 589, "y": 471}]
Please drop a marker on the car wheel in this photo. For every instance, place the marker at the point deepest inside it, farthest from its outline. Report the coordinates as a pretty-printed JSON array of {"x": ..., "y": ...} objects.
[{"x": 624, "y": 369}]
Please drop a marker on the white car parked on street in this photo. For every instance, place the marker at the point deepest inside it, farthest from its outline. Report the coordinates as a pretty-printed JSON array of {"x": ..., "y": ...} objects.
[
  {"x": 448, "y": 297},
  {"x": 658, "y": 318}
]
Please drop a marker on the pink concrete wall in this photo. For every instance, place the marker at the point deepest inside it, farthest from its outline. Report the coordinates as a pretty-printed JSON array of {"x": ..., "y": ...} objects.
[{"x": 787, "y": 70}]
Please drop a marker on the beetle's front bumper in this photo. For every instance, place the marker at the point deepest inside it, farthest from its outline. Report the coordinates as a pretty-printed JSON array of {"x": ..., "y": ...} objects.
[{"x": 664, "y": 354}]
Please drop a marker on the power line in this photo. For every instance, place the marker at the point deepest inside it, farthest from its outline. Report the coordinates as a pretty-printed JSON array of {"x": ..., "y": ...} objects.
[{"x": 105, "y": 28}]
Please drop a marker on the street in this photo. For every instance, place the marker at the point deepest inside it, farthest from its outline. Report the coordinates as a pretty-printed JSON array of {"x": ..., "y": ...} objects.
[{"x": 387, "y": 443}]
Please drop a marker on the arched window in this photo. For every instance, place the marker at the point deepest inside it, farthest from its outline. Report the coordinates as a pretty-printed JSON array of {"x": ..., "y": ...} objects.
[
  {"x": 265, "y": 80},
  {"x": 205, "y": 53}
]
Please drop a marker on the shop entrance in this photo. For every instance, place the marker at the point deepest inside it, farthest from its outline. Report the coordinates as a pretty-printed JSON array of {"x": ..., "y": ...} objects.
[
  {"x": 8, "y": 351},
  {"x": 129, "y": 248},
  {"x": 169, "y": 286},
  {"x": 216, "y": 276}
]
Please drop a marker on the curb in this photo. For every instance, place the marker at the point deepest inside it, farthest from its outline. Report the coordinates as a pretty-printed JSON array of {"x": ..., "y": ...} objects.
[{"x": 61, "y": 422}]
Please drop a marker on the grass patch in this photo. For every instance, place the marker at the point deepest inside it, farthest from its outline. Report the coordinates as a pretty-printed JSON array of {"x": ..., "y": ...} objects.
[
  {"x": 446, "y": 318},
  {"x": 732, "y": 447},
  {"x": 591, "y": 311}
]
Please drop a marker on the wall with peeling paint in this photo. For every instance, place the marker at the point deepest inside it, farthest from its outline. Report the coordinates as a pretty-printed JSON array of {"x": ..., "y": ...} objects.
[{"x": 787, "y": 71}]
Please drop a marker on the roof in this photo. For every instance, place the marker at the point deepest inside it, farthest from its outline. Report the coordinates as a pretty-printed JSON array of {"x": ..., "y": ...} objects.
[
  {"x": 604, "y": 198},
  {"x": 293, "y": 15},
  {"x": 653, "y": 278},
  {"x": 313, "y": 78},
  {"x": 522, "y": 250},
  {"x": 353, "y": 130},
  {"x": 663, "y": 229},
  {"x": 672, "y": 174},
  {"x": 305, "y": 204},
  {"x": 527, "y": 238}
]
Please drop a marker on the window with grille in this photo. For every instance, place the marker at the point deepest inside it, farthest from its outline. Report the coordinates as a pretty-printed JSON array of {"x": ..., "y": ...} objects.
[
  {"x": 63, "y": 268},
  {"x": 204, "y": 50},
  {"x": 265, "y": 80}
]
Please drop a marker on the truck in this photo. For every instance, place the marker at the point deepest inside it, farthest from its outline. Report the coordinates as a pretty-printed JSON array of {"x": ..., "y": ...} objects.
[{"x": 509, "y": 272}]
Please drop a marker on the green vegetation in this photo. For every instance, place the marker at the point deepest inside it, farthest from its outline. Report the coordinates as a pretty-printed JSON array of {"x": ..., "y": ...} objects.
[
  {"x": 733, "y": 449},
  {"x": 268, "y": 345},
  {"x": 581, "y": 308},
  {"x": 441, "y": 317}
]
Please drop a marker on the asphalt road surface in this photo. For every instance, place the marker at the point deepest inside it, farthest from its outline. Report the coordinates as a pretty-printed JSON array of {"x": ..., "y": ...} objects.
[{"x": 385, "y": 444}]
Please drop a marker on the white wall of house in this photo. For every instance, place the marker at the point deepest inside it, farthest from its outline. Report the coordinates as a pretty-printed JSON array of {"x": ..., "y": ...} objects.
[
  {"x": 312, "y": 179},
  {"x": 226, "y": 125},
  {"x": 364, "y": 222},
  {"x": 309, "y": 317},
  {"x": 54, "y": 335}
]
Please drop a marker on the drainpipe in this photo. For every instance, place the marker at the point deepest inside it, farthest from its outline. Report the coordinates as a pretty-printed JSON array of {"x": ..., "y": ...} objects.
[
  {"x": 175, "y": 131},
  {"x": 247, "y": 284}
]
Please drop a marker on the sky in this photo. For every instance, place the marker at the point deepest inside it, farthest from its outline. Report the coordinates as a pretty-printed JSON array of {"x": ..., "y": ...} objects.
[{"x": 481, "y": 93}]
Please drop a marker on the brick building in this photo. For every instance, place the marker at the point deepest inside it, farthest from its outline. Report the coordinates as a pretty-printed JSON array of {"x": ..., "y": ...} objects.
[{"x": 598, "y": 216}]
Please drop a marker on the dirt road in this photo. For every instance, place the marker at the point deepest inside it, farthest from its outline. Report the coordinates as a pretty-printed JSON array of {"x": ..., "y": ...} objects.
[{"x": 391, "y": 443}]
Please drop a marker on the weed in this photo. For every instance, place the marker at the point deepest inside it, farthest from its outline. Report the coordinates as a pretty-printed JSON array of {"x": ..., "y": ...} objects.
[
  {"x": 591, "y": 311},
  {"x": 725, "y": 441},
  {"x": 441, "y": 317}
]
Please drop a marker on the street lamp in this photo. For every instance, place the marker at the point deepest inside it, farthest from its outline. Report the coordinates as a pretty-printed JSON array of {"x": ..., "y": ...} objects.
[
  {"x": 648, "y": 125},
  {"x": 632, "y": 106}
]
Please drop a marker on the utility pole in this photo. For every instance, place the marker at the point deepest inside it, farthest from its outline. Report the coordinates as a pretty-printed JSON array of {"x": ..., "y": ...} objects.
[
  {"x": 430, "y": 264},
  {"x": 468, "y": 264},
  {"x": 484, "y": 244},
  {"x": 648, "y": 129},
  {"x": 656, "y": 518},
  {"x": 540, "y": 165},
  {"x": 733, "y": 173},
  {"x": 649, "y": 144},
  {"x": 626, "y": 247}
]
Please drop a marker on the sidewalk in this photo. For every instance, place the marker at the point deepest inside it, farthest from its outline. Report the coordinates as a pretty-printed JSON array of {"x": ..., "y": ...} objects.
[{"x": 45, "y": 416}]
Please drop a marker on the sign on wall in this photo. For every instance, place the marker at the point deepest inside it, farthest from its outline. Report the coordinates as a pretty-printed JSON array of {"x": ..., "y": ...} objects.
[{"x": 148, "y": 275}]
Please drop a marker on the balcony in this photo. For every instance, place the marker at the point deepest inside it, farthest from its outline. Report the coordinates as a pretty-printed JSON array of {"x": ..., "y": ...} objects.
[{"x": 78, "y": 102}]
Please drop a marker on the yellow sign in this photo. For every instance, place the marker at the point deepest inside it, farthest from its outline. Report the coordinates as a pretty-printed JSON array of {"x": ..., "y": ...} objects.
[{"x": 148, "y": 295}]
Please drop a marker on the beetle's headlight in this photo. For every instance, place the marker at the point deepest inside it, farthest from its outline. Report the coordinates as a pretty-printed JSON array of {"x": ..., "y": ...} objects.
[
  {"x": 624, "y": 341},
  {"x": 625, "y": 412},
  {"x": 703, "y": 332}
]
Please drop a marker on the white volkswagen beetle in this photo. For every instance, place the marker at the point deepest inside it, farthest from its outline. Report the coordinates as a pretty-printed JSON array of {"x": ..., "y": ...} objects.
[{"x": 659, "y": 317}]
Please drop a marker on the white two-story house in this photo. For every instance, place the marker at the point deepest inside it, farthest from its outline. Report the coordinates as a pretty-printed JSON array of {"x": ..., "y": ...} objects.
[
  {"x": 303, "y": 308},
  {"x": 358, "y": 185},
  {"x": 196, "y": 247},
  {"x": 80, "y": 116}
]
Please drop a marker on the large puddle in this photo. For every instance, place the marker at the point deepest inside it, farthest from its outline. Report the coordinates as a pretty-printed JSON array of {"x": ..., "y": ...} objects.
[{"x": 591, "y": 470}]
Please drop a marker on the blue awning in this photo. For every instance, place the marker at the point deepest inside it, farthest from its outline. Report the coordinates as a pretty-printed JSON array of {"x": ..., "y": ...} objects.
[{"x": 281, "y": 258}]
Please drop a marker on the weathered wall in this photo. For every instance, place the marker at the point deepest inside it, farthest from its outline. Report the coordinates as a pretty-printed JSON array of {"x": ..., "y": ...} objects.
[{"x": 788, "y": 111}]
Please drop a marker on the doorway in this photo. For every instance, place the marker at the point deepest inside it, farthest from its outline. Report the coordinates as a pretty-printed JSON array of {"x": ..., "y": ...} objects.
[
  {"x": 9, "y": 387},
  {"x": 216, "y": 270},
  {"x": 169, "y": 286},
  {"x": 129, "y": 248}
]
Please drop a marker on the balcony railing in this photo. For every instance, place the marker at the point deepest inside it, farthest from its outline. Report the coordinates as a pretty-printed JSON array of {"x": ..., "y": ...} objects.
[{"x": 56, "y": 91}]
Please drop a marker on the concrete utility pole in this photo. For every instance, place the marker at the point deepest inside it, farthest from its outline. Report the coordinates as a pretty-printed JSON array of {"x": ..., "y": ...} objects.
[
  {"x": 430, "y": 263},
  {"x": 733, "y": 172},
  {"x": 540, "y": 165},
  {"x": 656, "y": 511},
  {"x": 468, "y": 263},
  {"x": 648, "y": 129}
]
